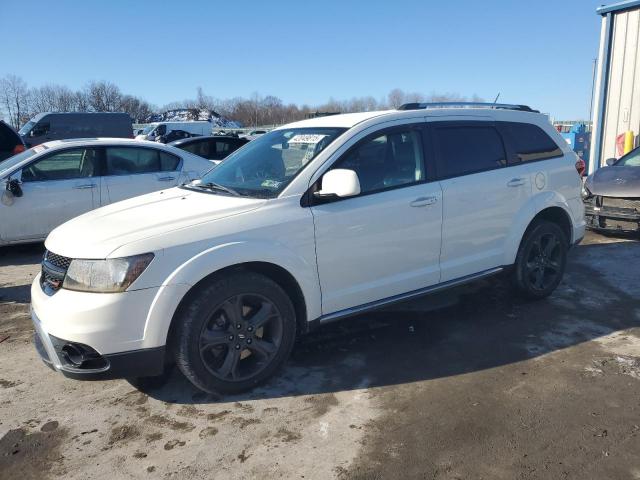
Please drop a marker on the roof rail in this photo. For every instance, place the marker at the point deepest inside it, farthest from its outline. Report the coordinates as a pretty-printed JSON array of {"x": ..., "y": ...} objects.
[{"x": 496, "y": 106}]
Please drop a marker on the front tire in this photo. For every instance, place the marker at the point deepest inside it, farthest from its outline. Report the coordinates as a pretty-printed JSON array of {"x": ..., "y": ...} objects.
[
  {"x": 541, "y": 260},
  {"x": 234, "y": 332}
]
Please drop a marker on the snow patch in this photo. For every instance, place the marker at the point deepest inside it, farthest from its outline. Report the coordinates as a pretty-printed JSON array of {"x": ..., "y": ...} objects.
[{"x": 194, "y": 114}]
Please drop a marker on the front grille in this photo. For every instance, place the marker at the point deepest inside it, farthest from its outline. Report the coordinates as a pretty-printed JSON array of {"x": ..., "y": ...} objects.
[
  {"x": 57, "y": 260},
  {"x": 626, "y": 203},
  {"x": 54, "y": 269}
]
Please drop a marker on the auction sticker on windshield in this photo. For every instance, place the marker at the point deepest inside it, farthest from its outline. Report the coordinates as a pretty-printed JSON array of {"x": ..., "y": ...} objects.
[{"x": 306, "y": 138}]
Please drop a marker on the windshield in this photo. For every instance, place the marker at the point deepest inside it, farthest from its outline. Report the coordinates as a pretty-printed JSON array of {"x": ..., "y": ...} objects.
[
  {"x": 265, "y": 166},
  {"x": 631, "y": 159},
  {"x": 26, "y": 128},
  {"x": 147, "y": 130},
  {"x": 10, "y": 162}
]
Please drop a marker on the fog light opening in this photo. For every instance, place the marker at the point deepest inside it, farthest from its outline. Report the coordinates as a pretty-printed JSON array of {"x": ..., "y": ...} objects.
[{"x": 74, "y": 355}]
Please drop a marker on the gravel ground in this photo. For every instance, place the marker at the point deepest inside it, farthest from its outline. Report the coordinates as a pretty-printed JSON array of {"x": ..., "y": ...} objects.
[{"x": 484, "y": 387}]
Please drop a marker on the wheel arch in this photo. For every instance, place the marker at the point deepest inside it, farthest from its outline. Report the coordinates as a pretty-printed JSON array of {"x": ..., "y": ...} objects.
[
  {"x": 296, "y": 274},
  {"x": 555, "y": 211},
  {"x": 557, "y": 215},
  {"x": 274, "y": 272}
]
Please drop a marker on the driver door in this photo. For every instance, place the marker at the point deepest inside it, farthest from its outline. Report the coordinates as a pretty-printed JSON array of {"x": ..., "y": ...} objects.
[
  {"x": 55, "y": 188},
  {"x": 386, "y": 240}
]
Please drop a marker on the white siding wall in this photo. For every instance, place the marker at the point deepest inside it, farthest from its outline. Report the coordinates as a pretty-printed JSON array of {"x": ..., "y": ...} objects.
[{"x": 623, "y": 100}]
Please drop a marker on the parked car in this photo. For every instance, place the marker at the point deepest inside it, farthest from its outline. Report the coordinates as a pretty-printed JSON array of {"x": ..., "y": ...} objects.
[
  {"x": 10, "y": 141},
  {"x": 56, "y": 181},
  {"x": 49, "y": 126},
  {"x": 173, "y": 135},
  {"x": 213, "y": 148},
  {"x": 312, "y": 222},
  {"x": 160, "y": 129},
  {"x": 612, "y": 195},
  {"x": 253, "y": 134}
]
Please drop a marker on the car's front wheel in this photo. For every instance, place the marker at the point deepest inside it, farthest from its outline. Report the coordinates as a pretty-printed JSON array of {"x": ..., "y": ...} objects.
[
  {"x": 541, "y": 260},
  {"x": 234, "y": 332}
]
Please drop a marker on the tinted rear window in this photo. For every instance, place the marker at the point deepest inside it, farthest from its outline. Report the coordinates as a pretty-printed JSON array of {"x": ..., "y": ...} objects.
[
  {"x": 530, "y": 142},
  {"x": 468, "y": 149}
]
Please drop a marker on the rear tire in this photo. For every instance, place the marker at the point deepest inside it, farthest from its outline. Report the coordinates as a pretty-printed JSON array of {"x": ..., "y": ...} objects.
[
  {"x": 234, "y": 333},
  {"x": 541, "y": 260}
]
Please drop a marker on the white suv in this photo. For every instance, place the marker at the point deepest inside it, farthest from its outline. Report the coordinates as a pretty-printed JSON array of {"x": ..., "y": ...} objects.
[{"x": 310, "y": 223}]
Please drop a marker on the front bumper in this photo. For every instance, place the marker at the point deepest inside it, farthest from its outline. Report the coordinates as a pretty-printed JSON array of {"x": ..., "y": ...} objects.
[
  {"x": 612, "y": 219},
  {"x": 106, "y": 329},
  {"x": 147, "y": 362}
]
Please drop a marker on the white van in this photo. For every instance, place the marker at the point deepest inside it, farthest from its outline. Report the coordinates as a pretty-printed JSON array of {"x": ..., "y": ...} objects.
[{"x": 158, "y": 129}]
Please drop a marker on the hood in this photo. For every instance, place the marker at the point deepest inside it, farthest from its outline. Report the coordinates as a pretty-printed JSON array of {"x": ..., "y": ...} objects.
[
  {"x": 98, "y": 233},
  {"x": 615, "y": 182}
]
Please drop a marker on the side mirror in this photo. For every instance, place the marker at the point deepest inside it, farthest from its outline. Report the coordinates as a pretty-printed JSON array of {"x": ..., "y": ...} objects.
[
  {"x": 611, "y": 161},
  {"x": 340, "y": 183},
  {"x": 13, "y": 187}
]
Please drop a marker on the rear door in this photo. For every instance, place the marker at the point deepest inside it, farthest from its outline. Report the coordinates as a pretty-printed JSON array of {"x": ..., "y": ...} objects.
[
  {"x": 133, "y": 171},
  {"x": 56, "y": 188},
  {"x": 481, "y": 196}
]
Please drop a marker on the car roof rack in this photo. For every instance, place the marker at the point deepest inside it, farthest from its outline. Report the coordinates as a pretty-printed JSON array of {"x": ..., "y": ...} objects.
[{"x": 495, "y": 106}]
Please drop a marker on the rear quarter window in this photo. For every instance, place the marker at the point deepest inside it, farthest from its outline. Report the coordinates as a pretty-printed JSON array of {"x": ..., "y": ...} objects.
[
  {"x": 467, "y": 149},
  {"x": 529, "y": 142}
]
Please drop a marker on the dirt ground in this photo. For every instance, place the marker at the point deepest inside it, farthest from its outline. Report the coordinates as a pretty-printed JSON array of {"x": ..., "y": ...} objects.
[{"x": 486, "y": 387}]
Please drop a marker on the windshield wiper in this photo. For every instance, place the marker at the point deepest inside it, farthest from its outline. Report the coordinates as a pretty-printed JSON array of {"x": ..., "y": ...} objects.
[{"x": 217, "y": 186}]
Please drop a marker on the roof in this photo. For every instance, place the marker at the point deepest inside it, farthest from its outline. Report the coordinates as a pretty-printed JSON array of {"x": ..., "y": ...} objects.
[
  {"x": 618, "y": 6},
  {"x": 349, "y": 120},
  {"x": 344, "y": 120},
  {"x": 73, "y": 142}
]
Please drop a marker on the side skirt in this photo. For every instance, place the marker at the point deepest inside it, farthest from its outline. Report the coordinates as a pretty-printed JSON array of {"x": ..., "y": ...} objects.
[{"x": 348, "y": 312}]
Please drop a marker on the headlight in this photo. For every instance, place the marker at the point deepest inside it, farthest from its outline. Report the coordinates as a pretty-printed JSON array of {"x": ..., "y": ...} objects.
[
  {"x": 105, "y": 276},
  {"x": 585, "y": 192}
]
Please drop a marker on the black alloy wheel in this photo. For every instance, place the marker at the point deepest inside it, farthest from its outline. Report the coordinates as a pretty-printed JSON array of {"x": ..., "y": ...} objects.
[
  {"x": 233, "y": 332},
  {"x": 541, "y": 260},
  {"x": 241, "y": 337}
]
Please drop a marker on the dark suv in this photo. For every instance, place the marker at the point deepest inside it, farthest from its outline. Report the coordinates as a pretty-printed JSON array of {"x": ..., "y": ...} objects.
[{"x": 215, "y": 148}]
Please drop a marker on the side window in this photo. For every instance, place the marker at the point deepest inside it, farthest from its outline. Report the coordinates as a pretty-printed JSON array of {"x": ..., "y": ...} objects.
[
  {"x": 468, "y": 149},
  {"x": 222, "y": 149},
  {"x": 65, "y": 165},
  {"x": 130, "y": 160},
  {"x": 40, "y": 129},
  {"x": 168, "y": 162},
  {"x": 530, "y": 142},
  {"x": 201, "y": 149},
  {"x": 386, "y": 160}
]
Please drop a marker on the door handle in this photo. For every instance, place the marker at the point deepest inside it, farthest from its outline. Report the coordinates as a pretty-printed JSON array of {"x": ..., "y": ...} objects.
[
  {"x": 166, "y": 179},
  {"x": 86, "y": 186},
  {"x": 423, "y": 201},
  {"x": 516, "y": 182}
]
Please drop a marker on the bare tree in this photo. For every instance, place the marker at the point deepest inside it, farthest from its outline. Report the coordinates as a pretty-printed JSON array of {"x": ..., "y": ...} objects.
[
  {"x": 14, "y": 98},
  {"x": 52, "y": 98},
  {"x": 104, "y": 96},
  {"x": 81, "y": 101},
  {"x": 395, "y": 98},
  {"x": 138, "y": 110}
]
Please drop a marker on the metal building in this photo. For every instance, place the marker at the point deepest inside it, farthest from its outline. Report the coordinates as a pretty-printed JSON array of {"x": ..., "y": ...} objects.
[{"x": 617, "y": 89}]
